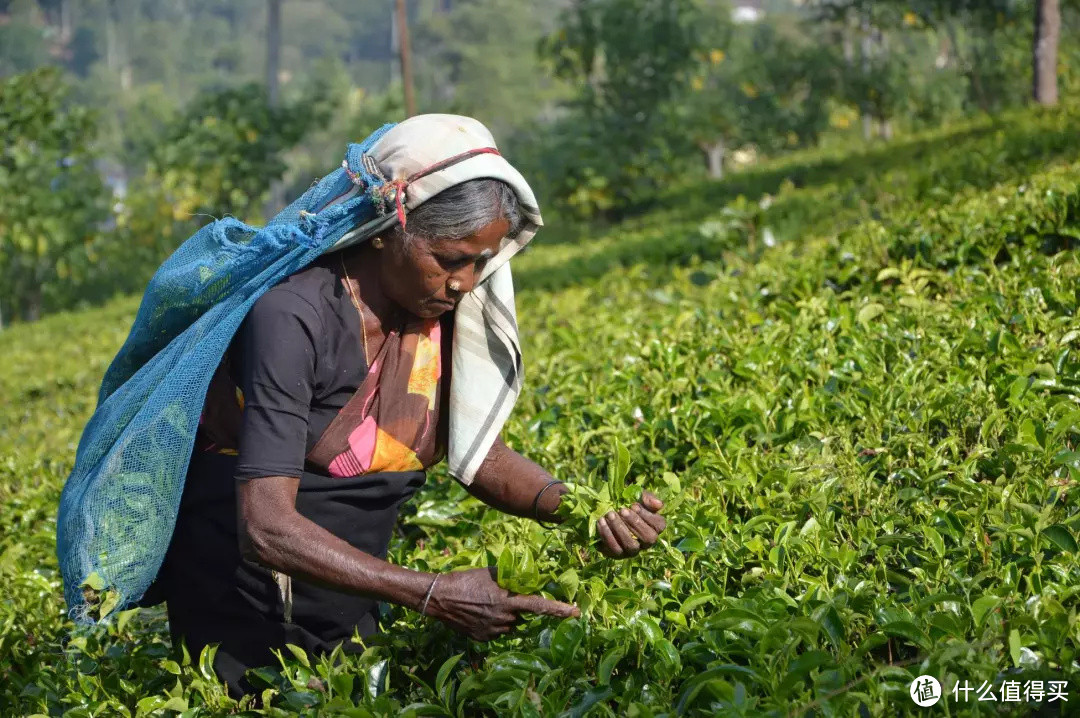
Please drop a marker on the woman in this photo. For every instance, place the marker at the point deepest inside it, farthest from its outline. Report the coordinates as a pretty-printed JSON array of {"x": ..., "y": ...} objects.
[{"x": 329, "y": 405}]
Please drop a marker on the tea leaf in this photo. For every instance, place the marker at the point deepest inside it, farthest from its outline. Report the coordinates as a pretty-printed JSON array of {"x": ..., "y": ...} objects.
[
  {"x": 607, "y": 664},
  {"x": 1061, "y": 537},
  {"x": 618, "y": 469},
  {"x": 1015, "y": 647},
  {"x": 444, "y": 672},
  {"x": 982, "y": 607},
  {"x": 565, "y": 641},
  {"x": 870, "y": 312}
]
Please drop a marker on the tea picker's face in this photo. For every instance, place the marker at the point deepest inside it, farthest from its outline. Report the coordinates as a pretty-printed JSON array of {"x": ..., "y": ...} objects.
[{"x": 427, "y": 277}]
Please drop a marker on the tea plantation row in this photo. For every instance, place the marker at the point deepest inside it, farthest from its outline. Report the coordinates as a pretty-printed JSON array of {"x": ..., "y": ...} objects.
[{"x": 856, "y": 386}]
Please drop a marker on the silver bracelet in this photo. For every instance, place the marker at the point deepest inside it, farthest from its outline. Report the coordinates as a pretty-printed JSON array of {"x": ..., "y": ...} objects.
[{"x": 423, "y": 606}]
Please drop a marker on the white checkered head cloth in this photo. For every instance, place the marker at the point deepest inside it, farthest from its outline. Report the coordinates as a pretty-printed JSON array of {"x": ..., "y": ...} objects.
[{"x": 423, "y": 156}]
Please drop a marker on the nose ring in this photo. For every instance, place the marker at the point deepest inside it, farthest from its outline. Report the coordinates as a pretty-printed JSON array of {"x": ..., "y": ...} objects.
[{"x": 454, "y": 285}]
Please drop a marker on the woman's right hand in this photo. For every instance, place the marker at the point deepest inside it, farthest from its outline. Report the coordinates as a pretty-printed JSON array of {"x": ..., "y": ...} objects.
[{"x": 473, "y": 603}]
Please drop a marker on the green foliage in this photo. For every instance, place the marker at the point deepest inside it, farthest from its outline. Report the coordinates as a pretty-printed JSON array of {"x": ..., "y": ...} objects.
[
  {"x": 220, "y": 156},
  {"x": 766, "y": 85},
  {"x": 52, "y": 199},
  {"x": 987, "y": 43},
  {"x": 228, "y": 145},
  {"x": 818, "y": 191},
  {"x": 866, "y": 436},
  {"x": 982, "y": 13},
  {"x": 22, "y": 47},
  {"x": 630, "y": 59},
  {"x": 477, "y": 58},
  {"x": 355, "y": 114}
]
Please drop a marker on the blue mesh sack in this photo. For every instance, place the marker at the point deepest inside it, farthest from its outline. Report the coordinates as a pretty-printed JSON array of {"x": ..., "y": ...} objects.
[{"x": 120, "y": 503}]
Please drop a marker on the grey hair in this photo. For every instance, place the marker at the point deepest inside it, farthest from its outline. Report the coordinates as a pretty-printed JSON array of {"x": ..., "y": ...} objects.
[{"x": 464, "y": 209}]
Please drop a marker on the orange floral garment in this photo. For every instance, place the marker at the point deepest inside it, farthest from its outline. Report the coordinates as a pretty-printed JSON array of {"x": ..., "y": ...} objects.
[{"x": 391, "y": 422}]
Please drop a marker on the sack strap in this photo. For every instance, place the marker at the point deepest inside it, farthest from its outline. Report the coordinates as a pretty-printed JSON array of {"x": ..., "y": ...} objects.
[{"x": 399, "y": 187}]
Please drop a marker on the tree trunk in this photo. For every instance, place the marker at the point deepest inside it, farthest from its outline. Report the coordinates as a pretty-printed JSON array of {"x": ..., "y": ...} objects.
[
  {"x": 234, "y": 22},
  {"x": 406, "y": 60},
  {"x": 865, "y": 48},
  {"x": 275, "y": 197},
  {"x": 112, "y": 61},
  {"x": 885, "y": 129},
  {"x": 65, "y": 21},
  {"x": 1047, "y": 34},
  {"x": 714, "y": 155},
  {"x": 32, "y": 310},
  {"x": 944, "y": 52},
  {"x": 273, "y": 50},
  {"x": 867, "y": 125},
  {"x": 977, "y": 65},
  {"x": 117, "y": 52}
]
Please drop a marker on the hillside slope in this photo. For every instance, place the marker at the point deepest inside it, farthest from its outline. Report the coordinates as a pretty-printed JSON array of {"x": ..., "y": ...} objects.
[{"x": 855, "y": 378}]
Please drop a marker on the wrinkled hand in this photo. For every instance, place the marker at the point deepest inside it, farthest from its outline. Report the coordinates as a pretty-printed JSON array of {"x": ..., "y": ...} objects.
[
  {"x": 625, "y": 532},
  {"x": 471, "y": 602}
]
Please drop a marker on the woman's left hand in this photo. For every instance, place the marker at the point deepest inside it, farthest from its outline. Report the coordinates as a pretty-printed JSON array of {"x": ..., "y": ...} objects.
[{"x": 625, "y": 532}]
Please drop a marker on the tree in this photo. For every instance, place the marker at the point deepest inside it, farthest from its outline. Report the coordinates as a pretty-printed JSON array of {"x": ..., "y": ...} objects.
[
  {"x": 273, "y": 50},
  {"x": 474, "y": 58},
  {"x": 52, "y": 199},
  {"x": 1045, "y": 51},
  {"x": 978, "y": 33},
  {"x": 630, "y": 59},
  {"x": 405, "y": 58},
  {"x": 222, "y": 153},
  {"x": 769, "y": 87},
  {"x": 22, "y": 39}
]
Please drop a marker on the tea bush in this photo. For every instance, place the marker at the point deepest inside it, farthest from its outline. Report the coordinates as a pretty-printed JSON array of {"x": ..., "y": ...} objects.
[{"x": 865, "y": 429}]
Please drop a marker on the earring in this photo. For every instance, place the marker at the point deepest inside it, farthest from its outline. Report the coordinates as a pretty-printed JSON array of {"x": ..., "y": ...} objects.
[
  {"x": 377, "y": 243},
  {"x": 454, "y": 285}
]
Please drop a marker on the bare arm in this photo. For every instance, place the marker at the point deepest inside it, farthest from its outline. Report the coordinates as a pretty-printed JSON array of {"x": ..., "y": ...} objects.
[
  {"x": 273, "y": 533},
  {"x": 509, "y": 482}
]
